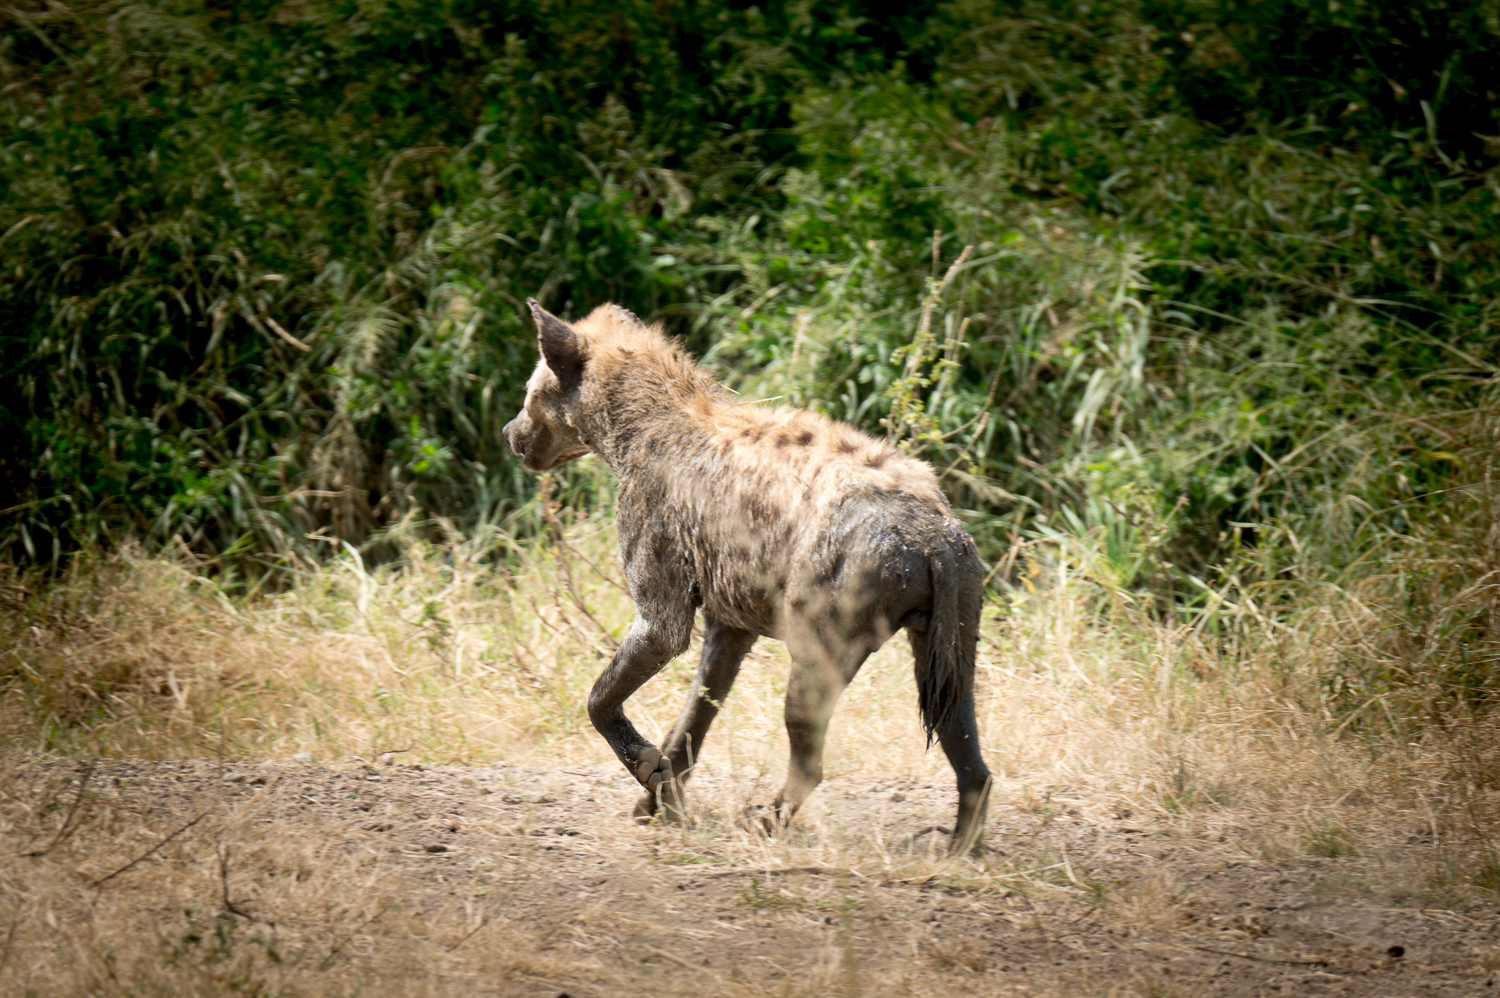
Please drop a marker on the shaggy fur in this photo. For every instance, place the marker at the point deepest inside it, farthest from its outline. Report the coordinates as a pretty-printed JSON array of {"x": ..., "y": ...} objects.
[{"x": 771, "y": 522}]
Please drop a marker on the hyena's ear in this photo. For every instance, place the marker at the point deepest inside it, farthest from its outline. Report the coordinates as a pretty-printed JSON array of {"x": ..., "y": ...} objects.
[{"x": 562, "y": 348}]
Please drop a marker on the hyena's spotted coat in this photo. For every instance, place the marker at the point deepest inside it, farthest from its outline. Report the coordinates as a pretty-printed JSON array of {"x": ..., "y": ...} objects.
[{"x": 772, "y": 522}]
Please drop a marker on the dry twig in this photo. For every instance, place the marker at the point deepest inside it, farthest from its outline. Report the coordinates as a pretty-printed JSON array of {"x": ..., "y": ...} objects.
[
  {"x": 1263, "y": 959},
  {"x": 229, "y": 905},
  {"x": 67, "y": 825},
  {"x": 105, "y": 879}
]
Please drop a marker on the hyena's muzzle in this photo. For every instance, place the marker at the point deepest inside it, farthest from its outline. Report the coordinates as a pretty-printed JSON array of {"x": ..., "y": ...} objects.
[
  {"x": 542, "y": 445},
  {"x": 519, "y": 433}
]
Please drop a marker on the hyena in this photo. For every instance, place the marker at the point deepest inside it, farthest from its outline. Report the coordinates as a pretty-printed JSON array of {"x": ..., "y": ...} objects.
[{"x": 774, "y": 522}]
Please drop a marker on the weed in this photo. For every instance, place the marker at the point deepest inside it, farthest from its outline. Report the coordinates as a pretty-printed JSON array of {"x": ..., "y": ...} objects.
[
  {"x": 221, "y": 958},
  {"x": 1330, "y": 841},
  {"x": 757, "y": 898},
  {"x": 688, "y": 859},
  {"x": 949, "y": 954},
  {"x": 1154, "y": 900},
  {"x": 1486, "y": 874}
]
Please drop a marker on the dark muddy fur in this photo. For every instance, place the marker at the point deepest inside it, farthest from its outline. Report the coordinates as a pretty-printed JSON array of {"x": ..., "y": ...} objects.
[{"x": 770, "y": 522}]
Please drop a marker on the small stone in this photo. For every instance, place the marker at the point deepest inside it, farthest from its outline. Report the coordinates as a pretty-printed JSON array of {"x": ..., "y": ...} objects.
[
  {"x": 435, "y": 847},
  {"x": 897, "y": 797},
  {"x": 303, "y": 757}
]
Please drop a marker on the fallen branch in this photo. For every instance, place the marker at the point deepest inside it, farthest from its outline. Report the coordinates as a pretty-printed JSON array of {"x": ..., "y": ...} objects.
[
  {"x": 375, "y": 756},
  {"x": 130, "y": 865},
  {"x": 1263, "y": 959},
  {"x": 673, "y": 957},
  {"x": 826, "y": 871},
  {"x": 83, "y": 785}
]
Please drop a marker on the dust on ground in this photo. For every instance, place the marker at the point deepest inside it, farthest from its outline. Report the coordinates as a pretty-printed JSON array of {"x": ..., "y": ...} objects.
[{"x": 232, "y": 877}]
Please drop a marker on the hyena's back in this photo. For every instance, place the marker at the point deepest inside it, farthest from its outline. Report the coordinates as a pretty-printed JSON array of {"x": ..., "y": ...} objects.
[{"x": 790, "y": 521}]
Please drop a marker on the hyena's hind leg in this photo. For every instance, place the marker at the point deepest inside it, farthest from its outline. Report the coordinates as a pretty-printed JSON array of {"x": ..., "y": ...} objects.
[
  {"x": 724, "y": 648},
  {"x": 819, "y": 676},
  {"x": 959, "y": 737}
]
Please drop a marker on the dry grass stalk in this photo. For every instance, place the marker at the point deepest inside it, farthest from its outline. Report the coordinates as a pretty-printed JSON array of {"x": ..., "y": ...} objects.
[
  {"x": 1141, "y": 720},
  {"x": 138, "y": 657}
]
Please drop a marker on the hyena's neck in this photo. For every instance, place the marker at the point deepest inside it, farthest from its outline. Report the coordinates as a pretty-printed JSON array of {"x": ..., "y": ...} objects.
[{"x": 648, "y": 431}]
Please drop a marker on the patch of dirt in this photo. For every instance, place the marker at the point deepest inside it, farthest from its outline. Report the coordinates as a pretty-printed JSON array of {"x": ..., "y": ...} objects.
[{"x": 538, "y": 877}]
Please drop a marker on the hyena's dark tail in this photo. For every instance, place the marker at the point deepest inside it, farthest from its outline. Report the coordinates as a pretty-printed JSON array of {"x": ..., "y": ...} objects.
[{"x": 952, "y": 631}]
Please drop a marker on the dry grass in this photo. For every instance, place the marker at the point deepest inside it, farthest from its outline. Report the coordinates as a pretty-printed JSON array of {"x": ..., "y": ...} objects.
[
  {"x": 1090, "y": 708},
  {"x": 105, "y": 913},
  {"x": 447, "y": 660},
  {"x": 207, "y": 891}
]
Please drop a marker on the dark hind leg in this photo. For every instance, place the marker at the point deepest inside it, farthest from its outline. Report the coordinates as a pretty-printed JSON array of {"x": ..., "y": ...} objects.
[
  {"x": 960, "y": 740},
  {"x": 724, "y": 648},
  {"x": 819, "y": 676}
]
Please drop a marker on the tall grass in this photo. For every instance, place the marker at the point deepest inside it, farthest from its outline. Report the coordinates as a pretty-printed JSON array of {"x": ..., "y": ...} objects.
[
  {"x": 261, "y": 271},
  {"x": 1327, "y": 703}
]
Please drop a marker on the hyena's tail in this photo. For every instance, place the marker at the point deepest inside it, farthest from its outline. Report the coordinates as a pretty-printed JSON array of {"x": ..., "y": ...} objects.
[{"x": 952, "y": 631}]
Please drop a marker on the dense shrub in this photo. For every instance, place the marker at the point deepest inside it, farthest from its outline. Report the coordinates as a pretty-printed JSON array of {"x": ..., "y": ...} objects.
[{"x": 1231, "y": 264}]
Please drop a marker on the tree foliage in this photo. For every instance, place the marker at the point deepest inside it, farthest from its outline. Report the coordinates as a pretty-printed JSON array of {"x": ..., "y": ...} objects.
[{"x": 261, "y": 264}]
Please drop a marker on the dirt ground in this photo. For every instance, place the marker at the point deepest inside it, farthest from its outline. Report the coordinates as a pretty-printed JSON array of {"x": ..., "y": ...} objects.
[{"x": 291, "y": 878}]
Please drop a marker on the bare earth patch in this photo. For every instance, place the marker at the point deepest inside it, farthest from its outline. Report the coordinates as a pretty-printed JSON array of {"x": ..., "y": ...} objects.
[{"x": 203, "y": 876}]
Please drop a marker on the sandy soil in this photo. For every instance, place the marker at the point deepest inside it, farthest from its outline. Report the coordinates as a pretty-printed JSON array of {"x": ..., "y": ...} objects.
[{"x": 539, "y": 872}]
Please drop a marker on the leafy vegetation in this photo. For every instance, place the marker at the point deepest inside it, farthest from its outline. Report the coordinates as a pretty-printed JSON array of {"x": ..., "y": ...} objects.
[
  {"x": 1197, "y": 299},
  {"x": 261, "y": 260}
]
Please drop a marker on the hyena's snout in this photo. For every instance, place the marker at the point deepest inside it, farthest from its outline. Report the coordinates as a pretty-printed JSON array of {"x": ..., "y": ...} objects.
[{"x": 518, "y": 434}]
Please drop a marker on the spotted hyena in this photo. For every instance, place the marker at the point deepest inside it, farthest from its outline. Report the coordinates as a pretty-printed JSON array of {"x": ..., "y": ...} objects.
[{"x": 773, "y": 522}]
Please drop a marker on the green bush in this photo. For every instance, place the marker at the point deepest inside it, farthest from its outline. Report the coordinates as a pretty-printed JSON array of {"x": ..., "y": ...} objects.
[
  {"x": 261, "y": 263},
  {"x": 1231, "y": 267}
]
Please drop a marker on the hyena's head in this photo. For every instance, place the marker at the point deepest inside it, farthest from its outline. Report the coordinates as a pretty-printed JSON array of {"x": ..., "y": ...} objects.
[{"x": 546, "y": 432}]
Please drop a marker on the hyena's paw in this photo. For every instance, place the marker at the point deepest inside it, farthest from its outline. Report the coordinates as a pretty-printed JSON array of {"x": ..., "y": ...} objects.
[
  {"x": 654, "y": 772},
  {"x": 652, "y": 769}
]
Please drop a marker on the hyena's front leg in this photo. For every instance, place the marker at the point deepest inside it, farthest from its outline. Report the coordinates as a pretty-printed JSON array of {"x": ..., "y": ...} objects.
[
  {"x": 723, "y": 649},
  {"x": 649, "y": 646}
]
